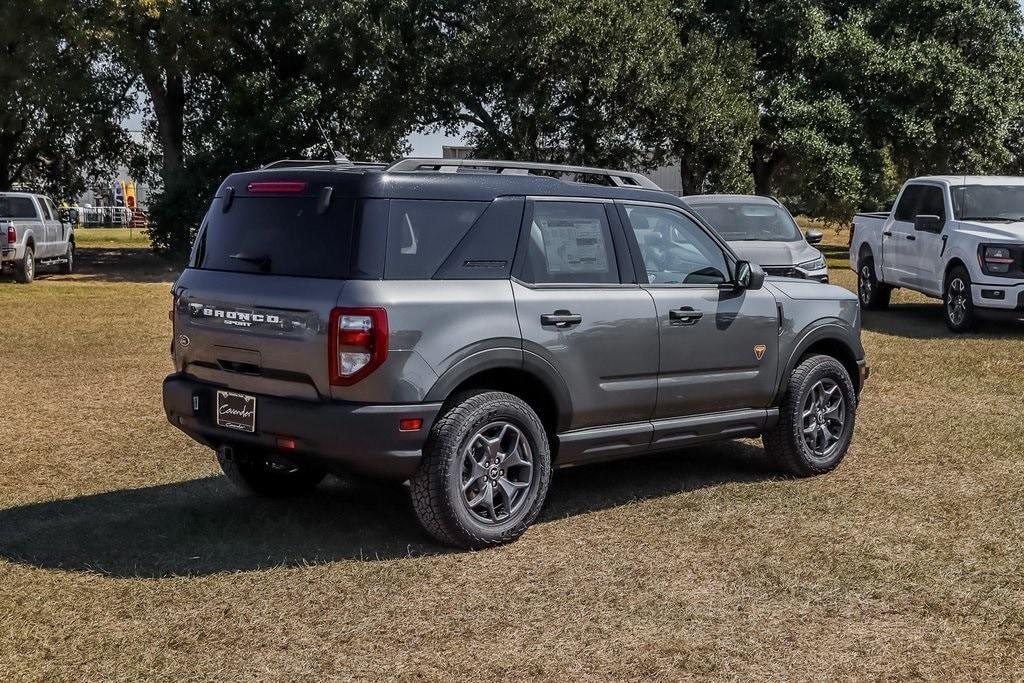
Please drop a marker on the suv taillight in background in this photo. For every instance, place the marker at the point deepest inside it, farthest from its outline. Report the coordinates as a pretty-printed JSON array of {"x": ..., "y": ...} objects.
[{"x": 358, "y": 343}]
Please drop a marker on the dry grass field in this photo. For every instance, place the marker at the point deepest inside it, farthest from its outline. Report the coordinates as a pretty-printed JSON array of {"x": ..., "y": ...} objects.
[{"x": 124, "y": 556}]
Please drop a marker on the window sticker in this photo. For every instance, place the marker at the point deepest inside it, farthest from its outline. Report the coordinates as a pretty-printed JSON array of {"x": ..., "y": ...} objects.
[{"x": 574, "y": 245}]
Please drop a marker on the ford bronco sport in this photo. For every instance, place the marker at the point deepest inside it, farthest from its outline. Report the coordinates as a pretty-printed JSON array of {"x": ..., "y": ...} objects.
[{"x": 471, "y": 325}]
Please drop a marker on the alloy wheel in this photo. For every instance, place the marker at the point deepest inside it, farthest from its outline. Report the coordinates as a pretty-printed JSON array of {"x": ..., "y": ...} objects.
[
  {"x": 956, "y": 301},
  {"x": 824, "y": 417},
  {"x": 864, "y": 286},
  {"x": 497, "y": 472}
]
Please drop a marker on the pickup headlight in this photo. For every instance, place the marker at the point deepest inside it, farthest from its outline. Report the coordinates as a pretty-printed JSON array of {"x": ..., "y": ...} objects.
[
  {"x": 816, "y": 264},
  {"x": 996, "y": 259}
]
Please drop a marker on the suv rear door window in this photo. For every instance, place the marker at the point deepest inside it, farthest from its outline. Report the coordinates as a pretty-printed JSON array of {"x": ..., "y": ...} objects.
[
  {"x": 278, "y": 236},
  {"x": 422, "y": 233},
  {"x": 570, "y": 242}
]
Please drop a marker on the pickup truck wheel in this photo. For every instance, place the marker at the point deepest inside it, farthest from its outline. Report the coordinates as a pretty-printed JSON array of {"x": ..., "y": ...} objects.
[
  {"x": 68, "y": 266},
  {"x": 485, "y": 471},
  {"x": 26, "y": 270},
  {"x": 816, "y": 418},
  {"x": 874, "y": 295},
  {"x": 253, "y": 473},
  {"x": 958, "y": 302}
]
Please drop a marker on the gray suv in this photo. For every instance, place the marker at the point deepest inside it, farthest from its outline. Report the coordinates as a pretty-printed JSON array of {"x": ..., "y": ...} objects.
[{"x": 471, "y": 325}]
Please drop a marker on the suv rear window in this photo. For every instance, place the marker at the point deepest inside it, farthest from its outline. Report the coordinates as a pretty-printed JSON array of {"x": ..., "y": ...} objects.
[
  {"x": 17, "y": 207},
  {"x": 278, "y": 236}
]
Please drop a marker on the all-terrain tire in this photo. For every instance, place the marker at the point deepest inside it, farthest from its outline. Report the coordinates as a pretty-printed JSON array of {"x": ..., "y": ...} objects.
[
  {"x": 958, "y": 302},
  {"x": 438, "y": 488},
  {"x": 873, "y": 295},
  {"x": 255, "y": 474},
  {"x": 787, "y": 442},
  {"x": 68, "y": 266},
  {"x": 25, "y": 270}
]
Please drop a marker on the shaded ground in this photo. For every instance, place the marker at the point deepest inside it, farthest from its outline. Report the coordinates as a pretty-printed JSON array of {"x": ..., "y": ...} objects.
[{"x": 125, "y": 556}]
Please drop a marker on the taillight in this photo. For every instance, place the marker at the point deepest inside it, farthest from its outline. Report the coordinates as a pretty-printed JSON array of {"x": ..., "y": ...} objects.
[
  {"x": 278, "y": 187},
  {"x": 12, "y": 236},
  {"x": 358, "y": 343}
]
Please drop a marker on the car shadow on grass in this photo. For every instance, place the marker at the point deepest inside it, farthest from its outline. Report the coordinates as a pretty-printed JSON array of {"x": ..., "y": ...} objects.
[
  {"x": 203, "y": 527},
  {"x": 925, "y": 321},
  {"x": 110, "y": 264}
]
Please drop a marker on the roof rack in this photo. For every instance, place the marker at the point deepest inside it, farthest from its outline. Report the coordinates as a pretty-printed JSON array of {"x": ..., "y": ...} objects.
[
  {"x": 617, "y": 178},
  {"x": 305, "y": 163}
]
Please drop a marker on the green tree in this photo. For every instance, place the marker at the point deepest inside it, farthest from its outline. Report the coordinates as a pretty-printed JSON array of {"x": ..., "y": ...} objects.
[{"x": 61, "y": 100}]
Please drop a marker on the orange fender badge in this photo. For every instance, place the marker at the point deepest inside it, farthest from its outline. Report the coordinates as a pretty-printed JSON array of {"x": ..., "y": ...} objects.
[{"x": 759, "y": 351}]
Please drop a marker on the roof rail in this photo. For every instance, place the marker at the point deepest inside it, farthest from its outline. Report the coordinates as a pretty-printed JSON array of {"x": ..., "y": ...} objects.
[
  {"x": 617, "y": 178},
  {"x": 304, "y": 163}
]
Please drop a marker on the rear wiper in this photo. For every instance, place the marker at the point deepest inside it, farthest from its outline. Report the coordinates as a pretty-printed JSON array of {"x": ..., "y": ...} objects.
[{"x": 262, "y": 262}]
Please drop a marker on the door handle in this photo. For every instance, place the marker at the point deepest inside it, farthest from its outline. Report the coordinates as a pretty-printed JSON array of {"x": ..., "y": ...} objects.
[
  {"x": 887, "y": 233},
  {"x": 911, "y": 237},
  {"x": 561, "y": 319},
  {"x": 685, "y": 315}
]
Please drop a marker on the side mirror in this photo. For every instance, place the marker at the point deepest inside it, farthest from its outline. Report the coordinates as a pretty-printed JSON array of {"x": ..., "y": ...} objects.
[
  {"x": 813, "y": 236},
  {"x": 749, "y": 275},
  {"x": 928, "y": 223}
]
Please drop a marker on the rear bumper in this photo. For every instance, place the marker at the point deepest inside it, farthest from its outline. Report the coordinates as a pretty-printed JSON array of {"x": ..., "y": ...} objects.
[{"x": 343, "y": 436}]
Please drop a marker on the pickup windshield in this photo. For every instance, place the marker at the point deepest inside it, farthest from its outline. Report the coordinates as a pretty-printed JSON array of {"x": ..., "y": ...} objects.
[
  {"x": 988, "y": 202},
  {"x": 739, "y": 221},
  {"x": 17, "y": 207}
]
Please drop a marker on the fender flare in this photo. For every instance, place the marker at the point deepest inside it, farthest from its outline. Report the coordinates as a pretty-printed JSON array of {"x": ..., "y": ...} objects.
[
  {"x": 832, "y": 329},
  {"x": 505, "y": 358}
]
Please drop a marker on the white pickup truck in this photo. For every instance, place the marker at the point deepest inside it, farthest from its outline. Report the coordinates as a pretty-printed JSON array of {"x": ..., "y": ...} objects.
[
  {"x": 960, "y": 238},
  {"x": 34, "y": 233}
]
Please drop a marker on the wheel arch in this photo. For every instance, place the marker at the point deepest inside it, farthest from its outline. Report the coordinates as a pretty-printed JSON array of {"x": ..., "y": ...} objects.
[
  {"x": 511, "y": 370},
  {"x": 831, "y": 339},
  {"x": 954, "y": 262}
]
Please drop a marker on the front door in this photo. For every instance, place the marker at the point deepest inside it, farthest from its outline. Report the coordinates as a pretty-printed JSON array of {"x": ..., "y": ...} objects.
[
  {"x": 719, "y": 345},
  {"x": 581, "y": 311},
  {"x": 926, "y": 249}
]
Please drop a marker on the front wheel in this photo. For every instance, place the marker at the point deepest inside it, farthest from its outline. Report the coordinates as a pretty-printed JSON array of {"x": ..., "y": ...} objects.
[
  {"x": 485, "y": 471},
  {"x": 958, "y": 303},
  {"x": 816, "y": 418},
  {"x": 255, "y": 473}
]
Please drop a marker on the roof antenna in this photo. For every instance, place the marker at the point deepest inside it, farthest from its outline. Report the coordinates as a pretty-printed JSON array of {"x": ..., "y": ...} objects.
[{"x": 338, "y": 157}]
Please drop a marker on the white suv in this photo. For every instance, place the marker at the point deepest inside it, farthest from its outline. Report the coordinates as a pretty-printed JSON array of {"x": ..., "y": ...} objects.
[{"x": 956, "y": 237}]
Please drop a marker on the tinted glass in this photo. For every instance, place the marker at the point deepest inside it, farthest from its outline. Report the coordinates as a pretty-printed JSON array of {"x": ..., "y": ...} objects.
[
  {"x": 422, "y": 233},
  {"x": 932, "y": 203},
  {"x": 675, "y": 249},
  {"x": 736, "y": 220},
  {"x": 51, "y": 208},
  {"x": 570, "y": 242},
  {"x": 988, "y": 202},
  {"x": 907, "y": 207},
  {"x": 17, "y": 207},
  {"x": 278, "y": 236}
]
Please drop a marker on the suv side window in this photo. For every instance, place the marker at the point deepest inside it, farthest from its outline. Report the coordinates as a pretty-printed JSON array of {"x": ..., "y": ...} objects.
[
  {"x": 675, "y": 250},
  {"x": 570, "y": 242},
  {"x": 932, "y": 203},
  {"x": 907, "y": 207},
  {"x": 422, "y": 233}
]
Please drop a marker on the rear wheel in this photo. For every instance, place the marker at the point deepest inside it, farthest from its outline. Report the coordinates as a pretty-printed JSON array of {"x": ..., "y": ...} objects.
[
  {"x": 873, "y": 295},
  {"x": 485, "y": 471},
  {"x": 256, "y": 473},
  {"x": 816, "y": 418},
  {"x": 958, "y": 302},
  {"x": 26, "y": 269}
]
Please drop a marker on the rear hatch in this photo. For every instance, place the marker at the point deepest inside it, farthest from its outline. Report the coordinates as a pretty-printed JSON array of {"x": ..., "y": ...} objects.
[{"x": 252, "y": 311}]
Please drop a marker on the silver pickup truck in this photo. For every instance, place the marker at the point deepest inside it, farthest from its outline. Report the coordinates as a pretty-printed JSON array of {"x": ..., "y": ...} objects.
[{"x": 34, "y": 233}]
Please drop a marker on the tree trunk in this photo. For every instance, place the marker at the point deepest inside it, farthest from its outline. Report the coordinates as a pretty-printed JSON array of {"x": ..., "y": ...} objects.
[{"x": 765, "y": 165}]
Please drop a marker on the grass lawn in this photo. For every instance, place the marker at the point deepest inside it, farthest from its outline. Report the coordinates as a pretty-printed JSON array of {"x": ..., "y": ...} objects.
[{"x": 124, "y": 555}]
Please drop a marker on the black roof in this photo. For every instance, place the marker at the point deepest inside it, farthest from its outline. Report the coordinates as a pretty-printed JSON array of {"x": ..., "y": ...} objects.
[{"x": 467, "y": 185}]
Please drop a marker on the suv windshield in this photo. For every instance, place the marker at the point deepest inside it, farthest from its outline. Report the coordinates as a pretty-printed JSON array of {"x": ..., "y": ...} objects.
[
  {"x": 988, "y": 202},
  {"x": 17, "y": 207},
  {"x": 737, "y": 220}
]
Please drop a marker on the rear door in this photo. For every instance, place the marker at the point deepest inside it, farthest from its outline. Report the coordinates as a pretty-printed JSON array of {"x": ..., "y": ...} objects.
[
  {"x": 898, "y": 236},
  {"x": 252, "y": 311},
  {"x": 581, "y": 310},
  {"x": 46, "y": 247},
  {"x": 719, "y": 346}
]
